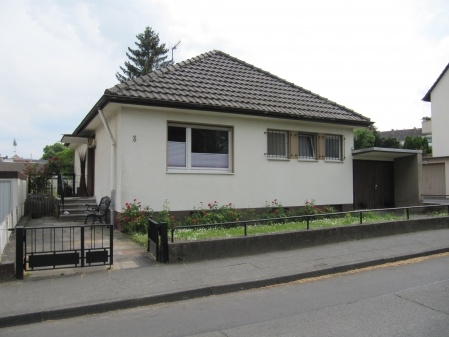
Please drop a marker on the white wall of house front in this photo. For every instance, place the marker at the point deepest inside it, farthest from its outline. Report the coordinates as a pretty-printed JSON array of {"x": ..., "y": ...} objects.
[
  {"x": 141, "y": 171},
  {"x": 440, "y": 117}
]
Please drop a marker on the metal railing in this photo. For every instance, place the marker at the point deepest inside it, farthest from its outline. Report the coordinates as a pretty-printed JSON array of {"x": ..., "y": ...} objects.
[
  {"x": 308, "y": 218},
  {"x": 158, "y": 240},
  {"x": 55, "y": 247}
]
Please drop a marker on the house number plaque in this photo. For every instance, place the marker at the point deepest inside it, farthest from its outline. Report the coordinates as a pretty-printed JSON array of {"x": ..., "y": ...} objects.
[{"x": 134, "y": 138}]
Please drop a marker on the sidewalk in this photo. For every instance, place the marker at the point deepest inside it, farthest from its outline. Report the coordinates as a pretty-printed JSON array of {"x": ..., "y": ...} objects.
[{"x": 54, "y": 297}]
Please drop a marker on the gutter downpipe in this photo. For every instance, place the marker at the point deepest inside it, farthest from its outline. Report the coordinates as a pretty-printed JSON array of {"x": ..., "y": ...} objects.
[{"x": 113, "y": 169}]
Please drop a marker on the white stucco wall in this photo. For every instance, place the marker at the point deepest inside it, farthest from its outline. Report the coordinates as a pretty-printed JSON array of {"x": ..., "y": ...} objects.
[
  {"x": 440, "y": 117},
  {"x": 141, "y": 135}
]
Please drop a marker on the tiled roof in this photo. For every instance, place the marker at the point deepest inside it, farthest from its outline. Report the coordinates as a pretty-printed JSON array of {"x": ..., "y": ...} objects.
[
  {"x": 219, "y": 82},
  {"x": 402, "y": 134}
]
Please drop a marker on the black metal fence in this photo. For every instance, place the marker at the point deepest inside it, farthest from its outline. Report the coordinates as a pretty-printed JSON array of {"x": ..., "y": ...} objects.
[
  {"x": 308, "y": 218},
  {"x": 158, "y": 240},
  {"x": 38, "y": 205},
  {"x": 56, "y": 247}
]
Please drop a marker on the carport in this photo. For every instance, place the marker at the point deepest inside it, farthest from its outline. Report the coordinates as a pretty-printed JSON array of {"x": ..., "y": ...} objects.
[{"x": 384, "y": 177}]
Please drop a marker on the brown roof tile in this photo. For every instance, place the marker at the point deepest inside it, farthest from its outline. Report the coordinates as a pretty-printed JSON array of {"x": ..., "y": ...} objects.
[{"x": 217, "y": 81}]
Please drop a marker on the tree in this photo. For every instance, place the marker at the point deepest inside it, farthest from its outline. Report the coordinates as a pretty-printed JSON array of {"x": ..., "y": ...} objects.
[
  {"x": 371, "y": 137},
  {"x": 150, "y": 55},
  {"x": 391, "y": 142},
  {"x": 417, "y": 143},
  {"x": 64, "y": 155},
  {"x": 363, "y": 139}
]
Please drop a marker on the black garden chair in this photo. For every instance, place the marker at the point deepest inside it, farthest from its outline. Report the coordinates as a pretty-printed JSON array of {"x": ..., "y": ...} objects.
[{"x": 98, "y": 212}]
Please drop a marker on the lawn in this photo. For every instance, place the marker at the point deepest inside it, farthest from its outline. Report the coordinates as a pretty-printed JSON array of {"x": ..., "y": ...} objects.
[{"x": 324, "y": 221}]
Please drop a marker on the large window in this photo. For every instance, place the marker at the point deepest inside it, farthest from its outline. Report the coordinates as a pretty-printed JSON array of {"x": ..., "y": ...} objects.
[
  {"x": 306, "y": 146},
  {"x": 333, "y": 149},
  {"x": 199, "y": 148},
  {"x": 277, "y": 144}
]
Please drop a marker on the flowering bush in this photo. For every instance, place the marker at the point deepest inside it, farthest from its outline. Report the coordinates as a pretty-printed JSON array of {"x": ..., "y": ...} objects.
[
  {"x": 310, "y": 208},
  {"x": 275, "y": 210},
  {"x": 214, "y": 213},
  {"x": 164, "y": 216},
  {"x": 39, "y": 175},
  {"x": 134, "y": 217}
]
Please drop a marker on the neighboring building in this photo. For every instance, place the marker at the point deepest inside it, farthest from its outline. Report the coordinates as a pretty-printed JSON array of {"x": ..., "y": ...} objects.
[
  {"x": 17, "y": 164},
  {"x": 436, "y": 169},
  {"x": 214, "y": 128},
  {"x": 400, "y": 135}
]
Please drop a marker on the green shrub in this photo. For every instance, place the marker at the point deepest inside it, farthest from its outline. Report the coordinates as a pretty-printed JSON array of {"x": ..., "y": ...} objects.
[
  {"x": 134, "y": 218},
  {"x": 214, "y": 213}
]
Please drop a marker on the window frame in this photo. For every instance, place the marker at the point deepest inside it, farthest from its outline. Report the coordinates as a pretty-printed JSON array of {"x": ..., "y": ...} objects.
[
  {"x": 285, "y": 155},
  {"x": 333, "y": 137},
  {"x": 188, "y": 168},
  {"x": 313, "y": 144}
]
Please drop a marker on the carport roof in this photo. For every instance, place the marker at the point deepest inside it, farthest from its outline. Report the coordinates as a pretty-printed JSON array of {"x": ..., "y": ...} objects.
[{"x": 384, "y": 154}]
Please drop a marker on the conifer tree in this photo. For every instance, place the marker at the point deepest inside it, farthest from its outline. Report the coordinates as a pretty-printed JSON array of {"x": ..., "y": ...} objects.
[{"x": 150, "y": 55}]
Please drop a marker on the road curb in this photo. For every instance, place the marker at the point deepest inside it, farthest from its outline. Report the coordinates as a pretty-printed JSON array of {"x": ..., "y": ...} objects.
[{"x": 128, "y": 303}]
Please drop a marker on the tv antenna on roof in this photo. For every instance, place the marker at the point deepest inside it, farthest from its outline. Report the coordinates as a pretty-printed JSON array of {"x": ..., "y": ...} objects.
[{"x": 174, "y": 47}]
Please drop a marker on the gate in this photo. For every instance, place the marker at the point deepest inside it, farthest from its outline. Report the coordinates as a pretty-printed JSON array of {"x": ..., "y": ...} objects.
[
  {"x": 158, "y": 240},
  {"x": 57, "y": 247}
]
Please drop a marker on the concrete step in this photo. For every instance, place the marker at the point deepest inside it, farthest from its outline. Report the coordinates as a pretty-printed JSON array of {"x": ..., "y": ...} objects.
[
  {"x": 76, "y": 208},
  {"x": 72, "y": 217}
]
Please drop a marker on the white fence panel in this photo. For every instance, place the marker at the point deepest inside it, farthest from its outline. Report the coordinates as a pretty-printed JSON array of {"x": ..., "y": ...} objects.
[{"x": 4, "y": 232}]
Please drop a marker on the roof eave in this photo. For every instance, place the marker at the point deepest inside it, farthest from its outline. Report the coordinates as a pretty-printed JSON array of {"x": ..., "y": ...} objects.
[
  {"x": 250, "y": 112},
  {"x": 427, "y": 97},
  {"x": 106, "y": 99}
]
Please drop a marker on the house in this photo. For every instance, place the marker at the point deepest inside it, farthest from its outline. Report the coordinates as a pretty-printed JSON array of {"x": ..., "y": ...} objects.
[
  {"x": 214, "y": 128},
  {"x": 401, "y": 135},
  {"x": 436, "y": 169}
]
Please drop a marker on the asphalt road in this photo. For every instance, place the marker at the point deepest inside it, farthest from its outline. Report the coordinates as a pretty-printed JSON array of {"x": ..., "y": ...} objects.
[{"x": 406, "y": 300}]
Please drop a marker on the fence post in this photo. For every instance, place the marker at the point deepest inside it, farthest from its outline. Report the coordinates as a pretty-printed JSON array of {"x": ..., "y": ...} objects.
[
  {"x": 20, "y": 238},
  {"x": 164, "y": 241},
  {"x": 111, "y": 242},
  {"x": 361, "y": 217},
  {"x": 82, "y": 246}
]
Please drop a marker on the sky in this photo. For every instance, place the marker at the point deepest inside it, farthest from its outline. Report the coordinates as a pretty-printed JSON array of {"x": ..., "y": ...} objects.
[{"x": 377, "y": 57}]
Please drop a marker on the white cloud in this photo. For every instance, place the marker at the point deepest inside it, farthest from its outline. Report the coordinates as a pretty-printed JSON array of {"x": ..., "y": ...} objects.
[{"x": 376, "y": 57}]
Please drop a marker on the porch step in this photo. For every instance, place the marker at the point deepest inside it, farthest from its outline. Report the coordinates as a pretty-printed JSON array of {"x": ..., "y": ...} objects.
[{"x": 75, "y": 207}]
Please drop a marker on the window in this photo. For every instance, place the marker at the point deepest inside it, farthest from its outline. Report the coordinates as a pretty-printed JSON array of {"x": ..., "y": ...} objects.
[
  {"x": 198, "y": 148},
  {"x": 333, "y": 147},
  {"x": 306, "y": 146},
  {"x": 277, "y": 144}
]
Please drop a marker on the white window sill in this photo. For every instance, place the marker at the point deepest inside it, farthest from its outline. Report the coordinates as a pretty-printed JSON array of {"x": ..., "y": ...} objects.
[
  {"x": 204, "y": 171},
  {"x": 278, "y": 159},
  {"x": 334, "y": 161},
  {"x": 308, "y": 160}
]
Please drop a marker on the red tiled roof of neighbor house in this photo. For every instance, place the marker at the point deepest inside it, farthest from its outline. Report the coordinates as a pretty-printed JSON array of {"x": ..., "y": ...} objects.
[{"x": 219, "y": 82}]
